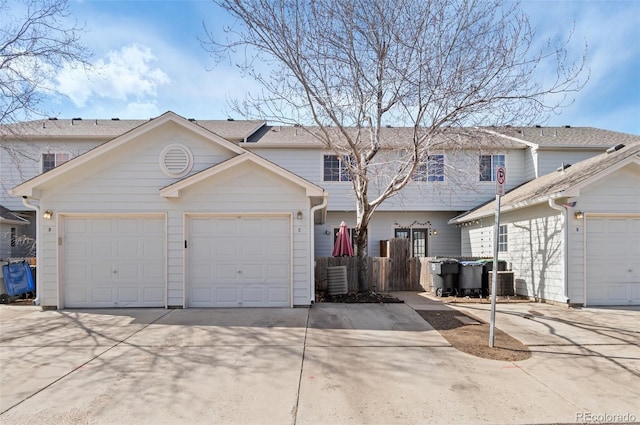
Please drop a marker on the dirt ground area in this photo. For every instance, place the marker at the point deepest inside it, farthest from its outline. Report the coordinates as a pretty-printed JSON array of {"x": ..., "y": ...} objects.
[{"x": 472, "y": 338}]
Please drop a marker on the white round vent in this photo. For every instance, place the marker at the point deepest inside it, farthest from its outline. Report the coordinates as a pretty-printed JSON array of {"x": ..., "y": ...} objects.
[{"x": 176, "y": 160}]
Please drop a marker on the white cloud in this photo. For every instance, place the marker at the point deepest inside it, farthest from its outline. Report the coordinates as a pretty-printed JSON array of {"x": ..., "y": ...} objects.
[{"x": 125, "y": 74}]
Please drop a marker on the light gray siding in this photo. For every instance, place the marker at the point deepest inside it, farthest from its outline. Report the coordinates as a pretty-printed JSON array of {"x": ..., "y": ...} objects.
[
  {"x": 530, "y": 164},
  {"x": 535, "y": 249},
  {"x": 460, "y": 191},
  {"x": 549, "y": 160},
  {"x": 22, "y": 161}
]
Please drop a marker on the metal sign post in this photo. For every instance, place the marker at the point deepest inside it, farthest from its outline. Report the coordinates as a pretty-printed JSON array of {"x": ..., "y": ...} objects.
[{"x": 501, "y": 177}]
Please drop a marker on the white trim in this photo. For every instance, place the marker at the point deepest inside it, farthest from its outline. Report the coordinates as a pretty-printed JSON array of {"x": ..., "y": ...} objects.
[
  {"x": 187, "y": 166},
  {"x": 584, "y": 260}
]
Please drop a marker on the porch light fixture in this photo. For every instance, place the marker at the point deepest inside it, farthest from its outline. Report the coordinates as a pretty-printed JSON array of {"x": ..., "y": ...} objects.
[
  {"x": 579, "y": 215},
  {"x": 47, "y": 214},
  {"x": 299, "y": 215},
  {"x": 434, "y": 232}
]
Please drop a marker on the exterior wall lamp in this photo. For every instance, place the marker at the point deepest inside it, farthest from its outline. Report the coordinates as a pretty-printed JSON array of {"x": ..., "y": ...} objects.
[
  {"x": 299, "y": 215},
  {"x": 47, "y": 214},
  {"x": 579, "y": 215}
]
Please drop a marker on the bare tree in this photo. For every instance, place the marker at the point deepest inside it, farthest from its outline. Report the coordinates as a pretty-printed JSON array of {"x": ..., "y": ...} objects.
[
  {"x": 35, "y": 41},
  {"x": 349, "y": 67}
]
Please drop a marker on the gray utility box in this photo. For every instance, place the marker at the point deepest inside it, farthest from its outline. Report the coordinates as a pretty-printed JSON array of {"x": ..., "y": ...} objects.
[
  {"x": 445, "y": 276},
  {"x": 487, "y": 267},
  {"x": 504, "y": 284},
  {"x": 470, "y": 278}
]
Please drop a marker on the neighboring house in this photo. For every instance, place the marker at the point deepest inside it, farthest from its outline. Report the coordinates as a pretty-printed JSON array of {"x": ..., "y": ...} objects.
[
  {"x": 13, "y": 242},
  {"x": 571, "y": 236},
  {"x": 171, "y": 214},
  {"x": 457, "y": 176}
]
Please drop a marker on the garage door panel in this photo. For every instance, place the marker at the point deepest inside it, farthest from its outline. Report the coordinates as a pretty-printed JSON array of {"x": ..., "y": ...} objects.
[
  {"x": 248, "y": 258},
  {"x": 223, "y": 272},
  {"x": 278, "y": 272},
  {"x": 103, "y": 272},
  {"x": 613, "y": 261},
  {"x": 102, "y": 296},
  {"x": 128, "y": 295},
  {"x": 277, "y": 295},
  {"x": 114, "y": 261}
]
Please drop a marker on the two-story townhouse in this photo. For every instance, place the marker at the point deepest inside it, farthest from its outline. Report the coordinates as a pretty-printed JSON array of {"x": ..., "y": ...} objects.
[{"x": 458, "y": 176}]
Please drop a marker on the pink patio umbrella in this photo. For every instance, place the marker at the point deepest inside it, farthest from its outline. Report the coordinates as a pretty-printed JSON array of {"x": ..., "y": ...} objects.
[{"x": 343, "y": 247}]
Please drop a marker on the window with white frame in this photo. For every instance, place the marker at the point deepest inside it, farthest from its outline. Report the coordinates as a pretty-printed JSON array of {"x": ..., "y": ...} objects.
[
  {"x": 431, "y": 170},
  {"x": 488, "y": 166},
  {"x": 335, "y": 170},
  {"x": 418, "y": 239},
  {"x": 502, "y": 238},
  {"x": 52, "y": 160}
]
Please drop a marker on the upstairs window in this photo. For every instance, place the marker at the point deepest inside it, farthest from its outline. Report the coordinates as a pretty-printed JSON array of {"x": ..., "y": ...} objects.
[
  {"x": 52, "y": 160},
  {"x": 335, "y": 170},
  {"x": 488, "y": 166},
  {"x": 430, "y": 171}
]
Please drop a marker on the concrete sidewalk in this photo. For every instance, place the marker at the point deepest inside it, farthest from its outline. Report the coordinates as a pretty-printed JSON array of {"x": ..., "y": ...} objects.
[{"x": 331, "y": 364}]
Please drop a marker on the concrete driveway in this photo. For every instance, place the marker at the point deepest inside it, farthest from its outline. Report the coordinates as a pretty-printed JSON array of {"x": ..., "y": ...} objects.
[{"x": 331, "y": 364}]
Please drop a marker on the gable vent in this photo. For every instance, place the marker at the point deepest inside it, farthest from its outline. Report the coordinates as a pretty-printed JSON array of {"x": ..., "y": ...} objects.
[{"x": 176, "y": 160}]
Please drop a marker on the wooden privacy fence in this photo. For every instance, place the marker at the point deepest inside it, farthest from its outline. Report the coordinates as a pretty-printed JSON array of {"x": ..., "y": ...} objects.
[
  {"x": 383, "y": 274},
  {"x": 398, "y": 272}
]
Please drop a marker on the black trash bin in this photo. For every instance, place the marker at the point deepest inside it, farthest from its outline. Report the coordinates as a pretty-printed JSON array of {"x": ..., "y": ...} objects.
[
  {"x": 444, "y": 272},
  {"x": 470, "y": 278},
  {"x": 487, "y": 266}
]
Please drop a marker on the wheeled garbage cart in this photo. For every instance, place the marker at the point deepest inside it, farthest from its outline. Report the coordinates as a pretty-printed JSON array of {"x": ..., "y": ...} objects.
[
  {"x": 18, "y": 280},
  {"x": 445, "y": 276}
]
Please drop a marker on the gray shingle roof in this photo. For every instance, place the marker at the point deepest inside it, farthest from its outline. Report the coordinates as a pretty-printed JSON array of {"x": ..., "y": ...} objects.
[
  {"x": 552, "y": 185},
  {"x": 110, "y": 128},
  {"x": 451, "y": 138},
  {"x": 570, "y": 137},
  {"x": 6, "y": 214}
]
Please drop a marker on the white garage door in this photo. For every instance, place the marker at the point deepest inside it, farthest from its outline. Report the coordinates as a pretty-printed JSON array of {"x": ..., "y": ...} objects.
[
  {"x": 114, "y": 261},
  {"x": 613, "y": 261},
  {"x": 239, "y": 261}
]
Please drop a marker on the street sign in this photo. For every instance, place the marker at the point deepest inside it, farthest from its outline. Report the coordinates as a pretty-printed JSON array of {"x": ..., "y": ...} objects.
[{"x": 501, "y": 177}]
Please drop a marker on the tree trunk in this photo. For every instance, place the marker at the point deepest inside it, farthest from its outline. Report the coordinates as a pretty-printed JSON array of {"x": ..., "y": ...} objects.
[{"x": 363, "y": 254}]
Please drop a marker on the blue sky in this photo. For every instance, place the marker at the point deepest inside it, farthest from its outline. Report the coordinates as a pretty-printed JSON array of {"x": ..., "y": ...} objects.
[{"x": 151, "y": 61}]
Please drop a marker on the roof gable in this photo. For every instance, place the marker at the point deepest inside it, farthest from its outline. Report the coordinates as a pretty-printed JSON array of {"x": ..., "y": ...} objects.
[
  {"x": 173, "y": 190},
  {"x": 28, "y": 188}
]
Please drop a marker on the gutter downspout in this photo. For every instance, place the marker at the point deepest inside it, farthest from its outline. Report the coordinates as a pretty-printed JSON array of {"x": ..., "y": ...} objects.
[
  {"x": 25, "y": 202},
  {"x": 565, "y": 249},
  {"x": 312, "y": 233}
]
